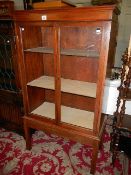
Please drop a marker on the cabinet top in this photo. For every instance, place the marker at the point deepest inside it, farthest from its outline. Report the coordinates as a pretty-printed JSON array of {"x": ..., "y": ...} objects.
[{"x": 91, "y": 13}]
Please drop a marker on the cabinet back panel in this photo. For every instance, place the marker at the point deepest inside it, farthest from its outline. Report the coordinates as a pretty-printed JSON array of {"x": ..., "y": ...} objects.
[
  {"x": 47, "y": 37},
  {"x": 71, "y": 100},
  {"x": 79, "y": 102},
  {"x": 79, "y": 68},
  {"x": 80, "y": 37},
  {"x": 48, "y": 60},
  {"x": 49, "y": 95}
]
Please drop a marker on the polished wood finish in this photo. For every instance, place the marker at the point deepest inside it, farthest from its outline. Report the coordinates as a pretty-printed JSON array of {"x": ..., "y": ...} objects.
[
  {"x": 65, "y": 45},
  {"x": 6, "y": 9},
  {"x": 11, "y": 110},
  {"x": 94, "y": 13},
  {"x": 49, "y": 4},
  {"x": 11, "y": 102}
]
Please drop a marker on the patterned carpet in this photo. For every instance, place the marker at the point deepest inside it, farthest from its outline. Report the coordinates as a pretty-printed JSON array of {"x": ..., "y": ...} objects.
[{"x": 53, "y": 155}]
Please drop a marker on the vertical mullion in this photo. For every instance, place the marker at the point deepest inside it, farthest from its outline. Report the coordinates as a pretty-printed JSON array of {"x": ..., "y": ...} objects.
[
  {"x": 101, "y": 75},
  {"x": 57, "y": 74}
]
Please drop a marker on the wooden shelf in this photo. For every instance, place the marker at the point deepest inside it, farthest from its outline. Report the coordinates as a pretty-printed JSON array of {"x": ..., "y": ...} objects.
[
  {"x": 46, "y": 110},
  {"x": 46, "y": 82},
  {"x": 69, "y": 52},
  {"x": 77, "y": 117},
  {"x": 67, "y": 85},
  {"x": 68, "y": 115}
]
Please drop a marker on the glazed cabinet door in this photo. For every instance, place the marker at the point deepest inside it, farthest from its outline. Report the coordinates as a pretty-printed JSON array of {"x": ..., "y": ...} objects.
[
  {"x": 7, "y": 60},
  {"x": 60, "y": 72},
  {"x": 80, "y": 46},
  {"x": 38, "y": 70}
]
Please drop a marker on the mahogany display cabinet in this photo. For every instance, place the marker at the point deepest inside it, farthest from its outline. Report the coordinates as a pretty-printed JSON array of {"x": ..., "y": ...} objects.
[{"x": 64, "y": 57}]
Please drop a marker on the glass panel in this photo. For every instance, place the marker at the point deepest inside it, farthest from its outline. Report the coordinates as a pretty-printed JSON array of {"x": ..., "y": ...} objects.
[
  {"x": 7, "y": 75},
  {"x": 80, "y": 50},
  {"x": 81, "y": 41},
  {"x": 39, "y": 68}
]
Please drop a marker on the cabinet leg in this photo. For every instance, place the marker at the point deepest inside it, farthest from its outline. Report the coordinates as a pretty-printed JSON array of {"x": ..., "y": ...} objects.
[
  {"x": 27, "y": 137},
  {"x": 94, "y": 158}
]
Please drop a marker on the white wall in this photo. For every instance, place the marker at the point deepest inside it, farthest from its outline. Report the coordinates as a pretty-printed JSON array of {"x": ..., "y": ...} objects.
[
  {"x": 110, "y": 98},
  {"x": 124, "y": 31},
  {"x": 19, "y": 4}
]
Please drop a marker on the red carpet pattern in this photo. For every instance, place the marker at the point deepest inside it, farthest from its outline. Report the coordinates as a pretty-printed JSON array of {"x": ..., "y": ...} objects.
[{"x": 53, "y": 155}]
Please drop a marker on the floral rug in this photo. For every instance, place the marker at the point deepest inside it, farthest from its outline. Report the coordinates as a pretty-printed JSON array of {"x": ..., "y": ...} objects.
[{"x": 53, "y": 155}]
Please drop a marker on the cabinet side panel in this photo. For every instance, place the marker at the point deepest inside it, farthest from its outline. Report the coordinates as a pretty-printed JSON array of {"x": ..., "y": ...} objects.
[
  {"x": 33, "y": 65},
  {"x": 31, "y": 36},
  {"x": 36, "y": 97}
]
